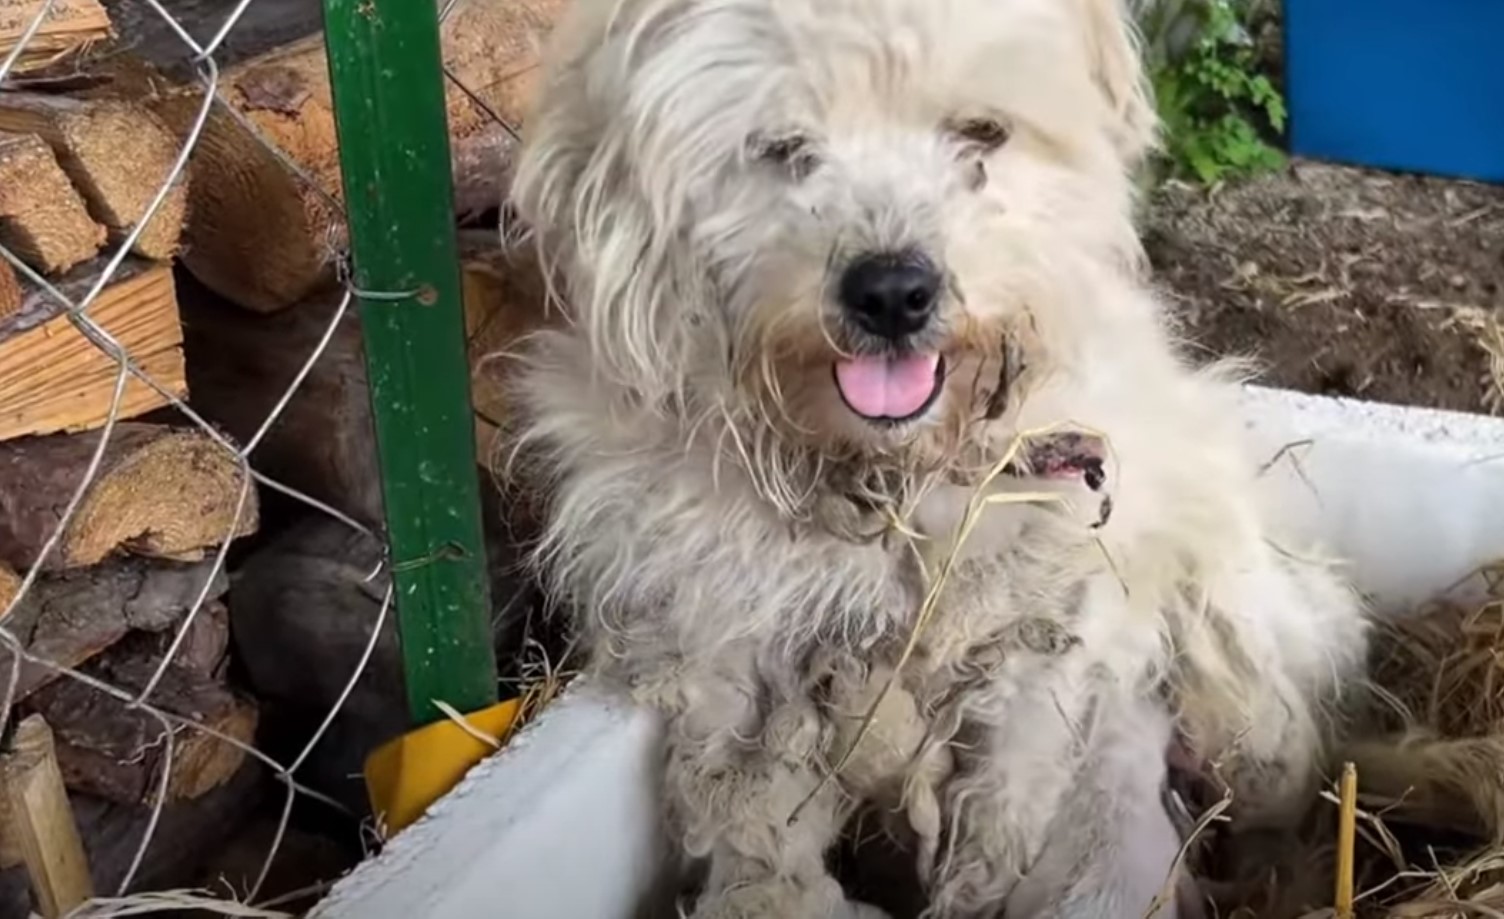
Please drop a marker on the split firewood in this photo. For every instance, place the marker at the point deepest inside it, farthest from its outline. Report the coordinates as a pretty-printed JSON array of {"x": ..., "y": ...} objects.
[
  {"x": 159, "y": 492},
  {"x": 259, "y": 234},
  {"x": 69, "y": 28},
  {"x": 108, "y": 749},
  {"x": 52, "y": 378},
  {"x": 10, "y": 291},
  {"x": 72, "y": 617},
  {"x": 37, "y": 821},
  {"x": 184, "y": 832},
  {"x": 118, "y": 155},
  {"x": 43, "y": 219},
  {"x": 10, "y": 585}
]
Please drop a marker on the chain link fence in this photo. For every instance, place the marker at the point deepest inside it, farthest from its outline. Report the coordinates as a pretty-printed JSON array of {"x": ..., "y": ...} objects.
[{"x": 201, "y": 54}]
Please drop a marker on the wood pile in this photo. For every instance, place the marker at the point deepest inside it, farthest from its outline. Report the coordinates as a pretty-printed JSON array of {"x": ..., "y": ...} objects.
[{"x": 226, "y": 287}]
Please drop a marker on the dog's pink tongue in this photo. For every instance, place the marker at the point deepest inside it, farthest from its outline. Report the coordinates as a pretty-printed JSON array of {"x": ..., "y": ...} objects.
[{"x": 878, "y": 386}]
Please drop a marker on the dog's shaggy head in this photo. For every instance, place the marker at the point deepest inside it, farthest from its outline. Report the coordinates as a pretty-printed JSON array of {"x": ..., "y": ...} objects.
[{"x": 844, "y": 227}]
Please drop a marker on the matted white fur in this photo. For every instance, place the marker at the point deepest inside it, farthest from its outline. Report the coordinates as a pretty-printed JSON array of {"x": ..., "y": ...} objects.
[{"x": 748, "y": 554}]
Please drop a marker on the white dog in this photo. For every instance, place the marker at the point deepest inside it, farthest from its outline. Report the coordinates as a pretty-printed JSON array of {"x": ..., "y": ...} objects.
[{"x": 829, "y": 265}]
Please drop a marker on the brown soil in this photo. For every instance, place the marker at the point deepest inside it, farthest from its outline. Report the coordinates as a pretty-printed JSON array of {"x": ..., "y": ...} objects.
[{"x": 1343, "y": 281}]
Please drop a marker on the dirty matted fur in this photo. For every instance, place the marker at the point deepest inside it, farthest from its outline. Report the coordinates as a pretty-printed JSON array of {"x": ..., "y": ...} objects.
[{"x": 750, "y": 553}]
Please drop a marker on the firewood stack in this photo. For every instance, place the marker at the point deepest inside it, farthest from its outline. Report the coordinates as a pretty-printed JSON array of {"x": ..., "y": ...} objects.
[
  {"x": 77, "y": 177},
  {"x": 220, "y": 298}
]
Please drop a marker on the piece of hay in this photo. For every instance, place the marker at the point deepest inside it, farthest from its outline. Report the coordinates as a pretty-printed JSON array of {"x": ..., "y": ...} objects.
[
  {"x": 1445, "y": 668},
  {"x": 1347, "y": 840}
]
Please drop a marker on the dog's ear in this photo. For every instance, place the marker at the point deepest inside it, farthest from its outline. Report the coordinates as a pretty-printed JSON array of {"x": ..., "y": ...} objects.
[
  {"x": 608, "y": 230},
  {"x": 1117, "y": 68}
]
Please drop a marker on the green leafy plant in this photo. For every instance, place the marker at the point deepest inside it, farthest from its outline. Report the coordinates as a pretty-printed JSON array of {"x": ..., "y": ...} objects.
[{"x": 1218, "y": 110}]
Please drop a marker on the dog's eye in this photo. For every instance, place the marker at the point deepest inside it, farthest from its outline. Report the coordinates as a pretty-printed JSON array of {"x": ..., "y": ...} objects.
[
  {"x": 793, "y": 152},
  {"x": 985, "y": 133}
]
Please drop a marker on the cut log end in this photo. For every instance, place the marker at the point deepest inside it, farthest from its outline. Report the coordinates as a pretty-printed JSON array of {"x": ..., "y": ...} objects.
[
  {"x": 118, "y": 154},
  {"x": 173, "y": 497},
  {"x": 205, "y": 762},
  {"x": 126, "y": 155},
  {"x": 258, "y": 234},
  {"x": 159, "y": 492},
  {"x": 10, "y": 291},
  {"x": 42, "y": 218},
  {"x": 10, "y": 585}
]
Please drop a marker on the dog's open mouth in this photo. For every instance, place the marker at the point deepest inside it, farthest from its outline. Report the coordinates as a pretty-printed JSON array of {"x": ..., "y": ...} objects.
[{"x": 890, "y": 388}]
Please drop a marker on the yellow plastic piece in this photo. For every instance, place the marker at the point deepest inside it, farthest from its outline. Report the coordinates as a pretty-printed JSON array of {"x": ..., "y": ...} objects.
[{"x": 408, "y": 773}]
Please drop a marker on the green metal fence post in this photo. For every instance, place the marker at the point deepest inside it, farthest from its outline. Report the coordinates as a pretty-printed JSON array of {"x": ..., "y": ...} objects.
[{"x": 386, "y": 72}]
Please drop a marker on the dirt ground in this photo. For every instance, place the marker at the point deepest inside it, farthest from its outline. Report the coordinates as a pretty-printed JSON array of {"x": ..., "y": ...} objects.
[{"x": 1343, "y": 281}]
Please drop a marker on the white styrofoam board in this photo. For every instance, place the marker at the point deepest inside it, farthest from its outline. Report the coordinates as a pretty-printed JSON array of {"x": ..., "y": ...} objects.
[
  {"x": 1407, "y": 497},
  {"x": 562, "y": 824}
]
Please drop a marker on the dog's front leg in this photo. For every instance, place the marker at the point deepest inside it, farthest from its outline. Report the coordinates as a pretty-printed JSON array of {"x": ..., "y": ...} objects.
[
  {"x": 735, "y": 779},
  {"x": 1112, "y": 849},
  {"x": 1014, "y": 761},
  {"x": 1288, "y": 636}
]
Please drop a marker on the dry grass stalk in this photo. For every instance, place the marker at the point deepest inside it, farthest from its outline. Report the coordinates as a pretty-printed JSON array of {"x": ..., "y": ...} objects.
[
  {"x": 1347, "y": 837},
  {"x": 1443, "y": 784},
  {"x": 542, "y": 680},
  {"x": 170, "y": 901},
  {"x": 1446, "y": 667},
  {"x": 1212, "y": 815},
  {"x": 464, "y": 724},
  {"x": 1488, "y": 335}
]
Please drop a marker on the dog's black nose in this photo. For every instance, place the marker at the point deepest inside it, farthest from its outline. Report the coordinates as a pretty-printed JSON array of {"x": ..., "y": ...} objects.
[{"x": 890, "y": 294}]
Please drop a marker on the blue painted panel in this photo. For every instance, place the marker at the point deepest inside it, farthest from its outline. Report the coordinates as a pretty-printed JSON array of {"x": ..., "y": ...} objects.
[{"x": 1398, "y": 84}]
